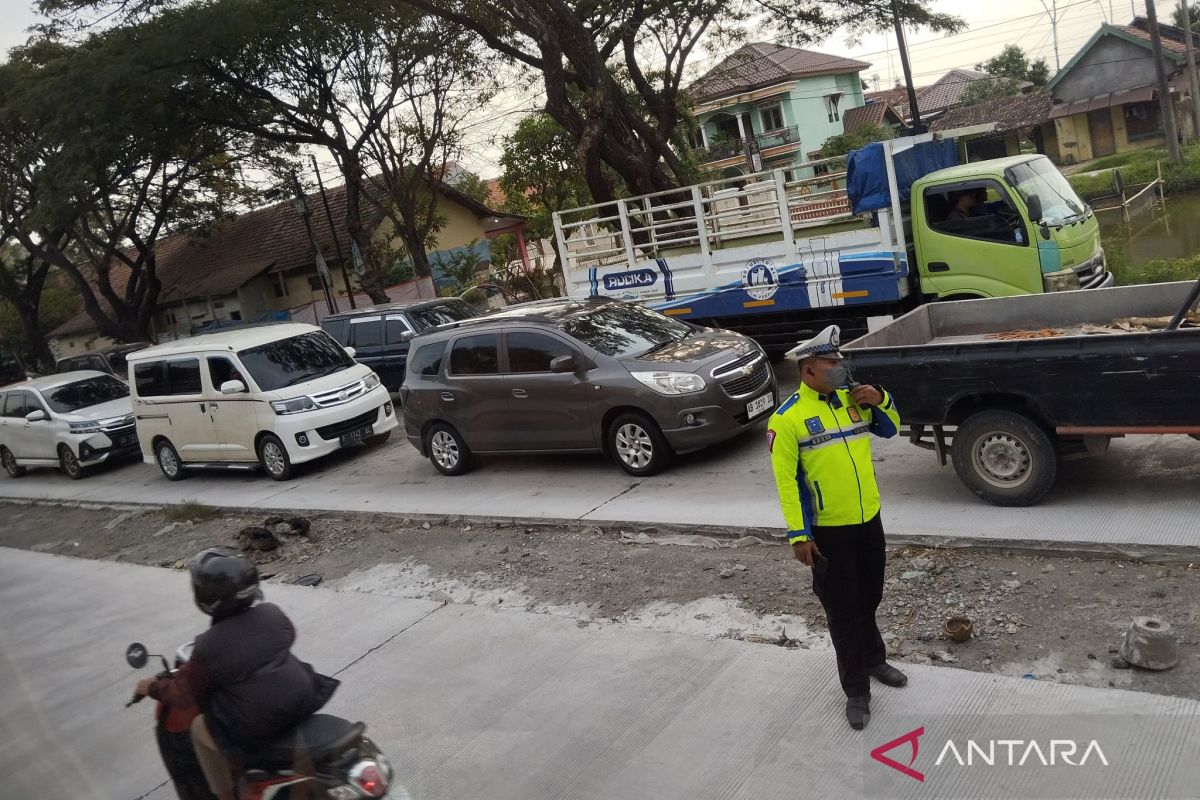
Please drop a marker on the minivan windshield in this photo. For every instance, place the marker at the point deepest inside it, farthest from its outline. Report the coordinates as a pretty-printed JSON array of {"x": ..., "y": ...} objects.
[
  {"x": 296, "y": 359},
  {"x": 442, "y": 313},
  {"x": 625, "y": 331},
  {"x": 79, "y": 395},
  {"x": 1060, "y": 204}
]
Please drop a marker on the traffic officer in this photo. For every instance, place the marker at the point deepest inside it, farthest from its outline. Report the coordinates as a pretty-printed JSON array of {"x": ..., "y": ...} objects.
[{"x": 821, "y": 455}]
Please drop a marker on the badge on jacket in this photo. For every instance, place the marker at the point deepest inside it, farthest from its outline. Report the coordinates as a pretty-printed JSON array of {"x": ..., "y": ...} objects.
[
  {"x": 814, "y": 425},
  {"x": 854, "y": 415}
]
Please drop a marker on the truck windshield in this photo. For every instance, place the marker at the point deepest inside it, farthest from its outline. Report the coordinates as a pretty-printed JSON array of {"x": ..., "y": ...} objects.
[
  {"x": 1060, "y": 204},
  {"x": 294, "y": 360},
  {"x": 88, "y": 392},
  {"x": 624, "y": 331}
]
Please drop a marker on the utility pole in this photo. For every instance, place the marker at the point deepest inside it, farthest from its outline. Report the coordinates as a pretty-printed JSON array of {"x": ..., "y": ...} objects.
[
  {"x": 1164, "y": 91},
  {"x": 1052, "y": 10},
  {"x": 322, "y": 268},
  {"x": 333, "y": 229},
  {"x": 913, "y": 111},
  {"x": 1193, "y": 77}
]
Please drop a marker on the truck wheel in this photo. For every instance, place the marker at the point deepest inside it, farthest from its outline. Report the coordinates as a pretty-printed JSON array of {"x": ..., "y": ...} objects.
[{"x": 1005, "y": 457}]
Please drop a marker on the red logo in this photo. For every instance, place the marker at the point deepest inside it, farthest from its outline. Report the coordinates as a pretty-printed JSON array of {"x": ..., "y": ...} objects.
[
  {"x": 911, "y": 738},
  {"x": 771, "y": 441}
]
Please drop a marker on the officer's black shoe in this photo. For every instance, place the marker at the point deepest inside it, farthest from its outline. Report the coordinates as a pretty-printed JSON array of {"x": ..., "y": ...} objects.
[
  {"x": 858, "y": 710},
  {"x": 888, "y": 675}
]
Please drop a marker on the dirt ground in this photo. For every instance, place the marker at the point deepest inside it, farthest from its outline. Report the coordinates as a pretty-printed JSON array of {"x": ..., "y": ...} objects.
[{"x": 1048, "y": 618}]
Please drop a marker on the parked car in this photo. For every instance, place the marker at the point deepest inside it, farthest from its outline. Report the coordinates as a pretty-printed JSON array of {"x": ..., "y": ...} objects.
[
  {"x": 581, "y": 376},
  {"x": 112, "y": 361},
  {"x": 275, "y": 395},
  {"x": 71, "y": 421},
  {"x": 380, "y": 334}
]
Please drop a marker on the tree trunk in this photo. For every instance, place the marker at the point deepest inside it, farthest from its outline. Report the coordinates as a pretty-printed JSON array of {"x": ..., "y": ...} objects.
[{"x": 372, "y": 277}]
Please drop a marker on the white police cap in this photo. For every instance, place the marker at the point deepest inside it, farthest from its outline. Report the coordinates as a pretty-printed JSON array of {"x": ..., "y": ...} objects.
[{"x": 825, "y": 343}]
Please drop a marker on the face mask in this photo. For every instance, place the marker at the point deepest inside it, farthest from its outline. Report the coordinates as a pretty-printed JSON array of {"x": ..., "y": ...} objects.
[{"x": 837, "y": 376}]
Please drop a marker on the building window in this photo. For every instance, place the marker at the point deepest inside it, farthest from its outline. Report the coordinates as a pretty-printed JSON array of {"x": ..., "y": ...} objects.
[
  {"x": 1142, "y": 120},
  {"x": 235, "y": 315},
  {"x": 831, "y": 106},
  {"x": 772, "y": 118},
  {"x": 315, "y": 284}
]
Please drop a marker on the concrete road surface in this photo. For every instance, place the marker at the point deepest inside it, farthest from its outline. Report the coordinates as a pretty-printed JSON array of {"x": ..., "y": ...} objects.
[{"x": 471, "y": 703}]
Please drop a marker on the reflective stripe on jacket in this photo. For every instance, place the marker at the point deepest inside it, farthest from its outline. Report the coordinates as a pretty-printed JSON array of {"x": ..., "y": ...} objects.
[{"x": 821, "y": 457}]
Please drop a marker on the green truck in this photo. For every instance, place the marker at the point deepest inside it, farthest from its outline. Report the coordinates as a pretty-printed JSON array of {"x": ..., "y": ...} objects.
[{"x": 900, "y": 224}]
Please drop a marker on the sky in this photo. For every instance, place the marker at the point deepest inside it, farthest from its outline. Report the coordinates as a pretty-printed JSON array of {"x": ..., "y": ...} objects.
[{"x": 990, "y": 27}]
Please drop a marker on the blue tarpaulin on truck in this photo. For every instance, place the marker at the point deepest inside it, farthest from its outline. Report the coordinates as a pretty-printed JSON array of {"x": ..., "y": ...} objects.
[{"x": 866, "y": 171}]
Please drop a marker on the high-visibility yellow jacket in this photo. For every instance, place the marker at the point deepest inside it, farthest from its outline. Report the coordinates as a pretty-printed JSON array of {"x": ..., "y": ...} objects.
[{"x": 822, "y": 458}]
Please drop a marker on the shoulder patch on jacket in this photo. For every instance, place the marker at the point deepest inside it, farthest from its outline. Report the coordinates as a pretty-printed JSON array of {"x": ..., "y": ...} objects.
[
  {"x": 771, "y": 441},
  {"x": 791, "y": 401}
]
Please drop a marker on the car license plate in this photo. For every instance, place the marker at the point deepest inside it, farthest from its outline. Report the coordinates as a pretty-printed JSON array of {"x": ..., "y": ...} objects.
[
  {"x": 128, "y": 440},
  {"x": 357, "y": 436},
  {"x": 759, "y": 404}
]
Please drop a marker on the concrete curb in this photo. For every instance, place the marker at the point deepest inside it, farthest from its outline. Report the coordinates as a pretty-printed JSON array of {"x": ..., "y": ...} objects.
[{"x": 1149, "y": 553}]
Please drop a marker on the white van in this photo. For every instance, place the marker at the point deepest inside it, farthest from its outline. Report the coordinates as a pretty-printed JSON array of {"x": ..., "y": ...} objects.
[{"x": 276, "y": 395}]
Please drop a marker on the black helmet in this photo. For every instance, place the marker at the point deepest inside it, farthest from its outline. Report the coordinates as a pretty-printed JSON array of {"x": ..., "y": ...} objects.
[{"x": 223, "y": 582}]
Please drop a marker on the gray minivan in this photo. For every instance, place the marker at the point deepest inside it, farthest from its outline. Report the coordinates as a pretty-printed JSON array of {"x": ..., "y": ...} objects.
[{"x": 581, "y": 376}]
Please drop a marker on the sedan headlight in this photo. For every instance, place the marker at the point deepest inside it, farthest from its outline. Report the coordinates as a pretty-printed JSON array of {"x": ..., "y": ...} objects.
[
  {"x": 671, "y": 382},
  {"x": 85, "y": 427},
  {"x": 371, "y": 381},
  {"x": 294, "y": 406}
]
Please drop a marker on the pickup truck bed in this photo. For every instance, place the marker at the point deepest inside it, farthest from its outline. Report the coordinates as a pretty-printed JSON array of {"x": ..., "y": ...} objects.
[{"x": 1009, "y": 386}]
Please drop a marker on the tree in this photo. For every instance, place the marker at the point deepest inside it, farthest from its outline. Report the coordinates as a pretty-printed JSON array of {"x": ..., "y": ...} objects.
[
  {"x": 843, "y": 143},
  {"x": 1012, "y": 63},
  {"x": 32, "y": 304},
  {"x": 473, "y": 187},
  {"x": 989, "y": 89},
  {"x": 1193, "y": 12}
]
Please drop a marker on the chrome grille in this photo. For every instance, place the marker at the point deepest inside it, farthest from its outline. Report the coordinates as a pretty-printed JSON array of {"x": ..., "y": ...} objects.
[
  {"x": 116, "y": 425},
  {"x": 340, "y": 395},
  {"x": 748, "y": 383},
  {"x": 730, "y": 367}
]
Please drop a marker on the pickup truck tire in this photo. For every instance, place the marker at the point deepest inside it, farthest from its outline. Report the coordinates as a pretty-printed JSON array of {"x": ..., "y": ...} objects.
[{"x": 1005, "y": 457}]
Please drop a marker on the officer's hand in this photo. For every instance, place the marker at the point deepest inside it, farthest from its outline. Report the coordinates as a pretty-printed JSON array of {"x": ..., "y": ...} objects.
[
  {"x": 143, "y": 687},
  {"x": 866, "y": 395},
  {"x": 805, "y": 552}
]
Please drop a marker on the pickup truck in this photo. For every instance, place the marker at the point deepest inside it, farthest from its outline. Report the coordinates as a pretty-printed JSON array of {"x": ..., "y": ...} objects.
[
  {"x": 1010, "y": 386},
  {"x": 899, "y": 223}
]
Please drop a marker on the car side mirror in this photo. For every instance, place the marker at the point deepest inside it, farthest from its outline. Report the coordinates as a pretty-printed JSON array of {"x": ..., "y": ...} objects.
[
  {"x": 563, "y": 364},
  {"x": 233, "y": 387},
  {"x": 1034, "y": 204},
  {"x": 35, "y": 416},
  {"x": 408, "y": 336},
  {"x": 350, "y": 351}
]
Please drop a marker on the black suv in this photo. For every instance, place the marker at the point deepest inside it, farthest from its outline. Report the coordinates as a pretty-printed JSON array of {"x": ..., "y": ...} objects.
[
  {"x": 380, "y": 334},
  {"x": 591, "y": 376},
  {"x": 113, "y": 360}
]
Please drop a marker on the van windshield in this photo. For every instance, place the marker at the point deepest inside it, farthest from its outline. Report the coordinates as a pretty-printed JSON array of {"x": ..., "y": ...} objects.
[
  {"x": 294, "y": 360},
  {"x": 623, "y": 330},
  {"x": 88, "y": 392}
]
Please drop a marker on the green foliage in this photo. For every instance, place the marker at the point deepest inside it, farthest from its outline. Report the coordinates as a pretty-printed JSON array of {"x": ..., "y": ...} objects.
[
  {"x": 843, "y": 143},
  {"x": 462, "y": 265},
  {"x": 1194, "y": 12},
  {"x": 474, "y": 187},
  {"x": 985, "y": 89},
  {"x": 541, "y": 175},
  {"x": 1012, "y": 63}
]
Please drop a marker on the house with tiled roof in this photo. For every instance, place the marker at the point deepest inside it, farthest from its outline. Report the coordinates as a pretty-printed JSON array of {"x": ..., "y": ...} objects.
[
  {"x": 876, "y": 112},
  {"x": 260, "y": 265},
  {"x": 766, "y": 106},
  {"x": 1019, "y": 118},
  {"x": 1105, "y": 99}
]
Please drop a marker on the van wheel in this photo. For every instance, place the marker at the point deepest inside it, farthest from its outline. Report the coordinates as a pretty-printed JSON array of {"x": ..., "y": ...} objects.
[
  {"x": 1005, "y": 458},
  {"x": 447, "y": 450},
  {"x": 13, "y": 469},
  {"x": 69, "y": 464},
  {"x": 638, "y": 445},
  {"x": 169, "y": 461},
  {"x": 274, "y": 457}
]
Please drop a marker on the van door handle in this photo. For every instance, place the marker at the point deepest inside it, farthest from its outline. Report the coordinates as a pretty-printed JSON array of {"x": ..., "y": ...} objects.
[
  {"x": 212, "y": 406},
  {"x": 519, "y": 393},
  {"x": 939, "y": 266},
  {"x": 202, "y": 409},
  {"x": 448, "y": 396}
]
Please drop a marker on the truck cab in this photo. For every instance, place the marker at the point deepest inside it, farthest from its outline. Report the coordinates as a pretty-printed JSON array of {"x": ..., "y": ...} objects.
[{"x": 1003, "y": 227}]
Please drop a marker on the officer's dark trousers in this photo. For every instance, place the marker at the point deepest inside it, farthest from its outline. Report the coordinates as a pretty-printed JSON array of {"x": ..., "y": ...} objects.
[{"x": 849, "y": 584}]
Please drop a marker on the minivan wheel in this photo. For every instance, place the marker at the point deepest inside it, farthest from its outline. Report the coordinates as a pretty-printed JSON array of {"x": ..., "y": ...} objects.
[
  {"x": 447, "y": 450},
  {"x": 169, "y": 461},
  {"x": 274, "y": 457},
  {"x": 69, "y": 463},
  {"x": 13, "y": 469},
  {"x": 638, "y": 445}
]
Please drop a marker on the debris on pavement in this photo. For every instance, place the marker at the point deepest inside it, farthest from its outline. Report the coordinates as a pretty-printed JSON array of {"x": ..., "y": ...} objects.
[
  {"x": 958, "y": 628},
  {"x": 1150, "y": 644}
]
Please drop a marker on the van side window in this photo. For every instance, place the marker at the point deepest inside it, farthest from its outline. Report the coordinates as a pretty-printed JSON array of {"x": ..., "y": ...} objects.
[
  {"x": 394, "y": 330},
  {"x": 476, "y": 355},
  {"x": 221, "y": 369},
  {"x": 338, "y": 329},
  {"x": 184, "y": 376},
  {"x": 14, "y": 404},
  {"x": 427, "y": 360},
  {"x": 150, "y": 379},
  {"x": 368, "y": 333},
  {"x": 166, "y": 378},
  {"x": 533, "y": 352}
]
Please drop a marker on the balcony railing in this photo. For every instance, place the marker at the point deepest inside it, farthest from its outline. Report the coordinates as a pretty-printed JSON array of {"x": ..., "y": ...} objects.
[{"x": 732, "y": 148}]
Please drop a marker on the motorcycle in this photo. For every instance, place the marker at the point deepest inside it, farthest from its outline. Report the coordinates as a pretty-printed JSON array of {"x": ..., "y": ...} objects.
[{"x": 339, "y": 761}]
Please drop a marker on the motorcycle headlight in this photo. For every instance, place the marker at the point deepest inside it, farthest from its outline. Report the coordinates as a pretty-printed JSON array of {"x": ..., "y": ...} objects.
[
  {"x": 671, "y": 382},
  {"x": 293, "y": 406},
  {"x": 85, "y": 427},
  {"x": 371, "y": 381}
]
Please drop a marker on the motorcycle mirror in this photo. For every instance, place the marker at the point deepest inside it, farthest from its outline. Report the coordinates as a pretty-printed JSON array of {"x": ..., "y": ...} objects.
[{"x": 136, "y": 655}]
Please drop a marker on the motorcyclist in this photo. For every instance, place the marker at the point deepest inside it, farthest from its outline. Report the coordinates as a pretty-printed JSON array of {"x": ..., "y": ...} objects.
[{"x": 250, "y": 689}]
